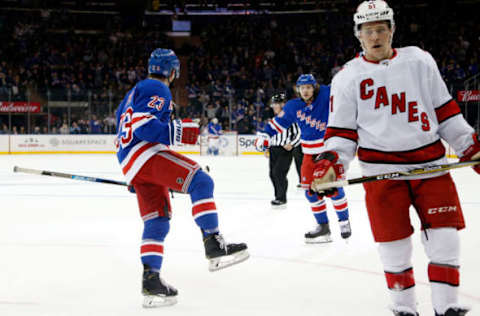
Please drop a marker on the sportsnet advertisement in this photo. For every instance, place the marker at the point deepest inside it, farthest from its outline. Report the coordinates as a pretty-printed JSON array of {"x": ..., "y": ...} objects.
[{"x": 246, "y": 145}]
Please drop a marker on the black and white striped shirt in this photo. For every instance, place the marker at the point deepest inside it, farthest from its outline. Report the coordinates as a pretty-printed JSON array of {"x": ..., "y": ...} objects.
[{"x": 290, "y": 136}]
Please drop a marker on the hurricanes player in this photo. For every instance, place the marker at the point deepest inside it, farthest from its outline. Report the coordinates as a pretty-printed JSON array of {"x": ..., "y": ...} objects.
[
  {"x": 144, "y": 133},
  {"x": 392, "y": 106}
]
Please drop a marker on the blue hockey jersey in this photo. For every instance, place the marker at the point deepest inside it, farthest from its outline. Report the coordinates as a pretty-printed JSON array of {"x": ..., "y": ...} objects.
[
  {"x": 214, "y": 129},
  {"x": 311, "y": 118},
  {"x": 143, "y": 125}
]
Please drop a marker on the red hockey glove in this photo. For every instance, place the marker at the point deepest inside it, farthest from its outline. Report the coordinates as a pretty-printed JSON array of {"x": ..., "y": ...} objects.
[
  {"x": 473, "y": 152},
  {"x": 183, "y": 132},
  {"x": 326, "y": 170},
  {"x": 262, "y": 142}
]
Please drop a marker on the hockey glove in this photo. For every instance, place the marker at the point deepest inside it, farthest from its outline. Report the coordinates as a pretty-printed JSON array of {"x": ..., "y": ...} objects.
[
  {"x": 473, "y": 152},
  {"x": 262, "y": 142},
  {"x": 326, "y": 170},
  {"x": 183, "y": 132}
]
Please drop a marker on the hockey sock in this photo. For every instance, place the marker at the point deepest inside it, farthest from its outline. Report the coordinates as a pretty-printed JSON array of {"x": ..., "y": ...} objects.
[
  {"x": 154, "y": 233},
  {"x": 340, "y": 205},
  {"x": 204, "y": 211},
  {"x": 443, "y": 250},
  {"x": 319, "y": 208},
  {"x": 396, "y": 259},
  {"x": 444, "y": 280}
]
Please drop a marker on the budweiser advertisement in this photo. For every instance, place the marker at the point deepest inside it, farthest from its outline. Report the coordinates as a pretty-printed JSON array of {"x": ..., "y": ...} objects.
[
  {"x": 468, "y": 96},
  {"x": 19, "y": 107}
]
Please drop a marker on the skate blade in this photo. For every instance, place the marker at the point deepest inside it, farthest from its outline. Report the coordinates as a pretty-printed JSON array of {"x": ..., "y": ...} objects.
[
  {"x": 279, "y": 207},
  {"x": 223, "y": 262},
  {"x": 318, "y": 240},
  {"x": 152, "y": 301}
]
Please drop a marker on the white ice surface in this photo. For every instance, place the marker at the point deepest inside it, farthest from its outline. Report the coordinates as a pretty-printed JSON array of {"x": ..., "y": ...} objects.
[{"x": 72, "y": 248}]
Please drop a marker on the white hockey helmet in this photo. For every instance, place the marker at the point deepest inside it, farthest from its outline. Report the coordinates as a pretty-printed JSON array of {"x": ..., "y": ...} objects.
[{"x": 372, "y": 11}]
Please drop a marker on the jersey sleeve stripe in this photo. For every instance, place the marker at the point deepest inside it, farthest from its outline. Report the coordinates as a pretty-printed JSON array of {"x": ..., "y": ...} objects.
[
  {"x": 447, "y": 110},
  {"x": 424, "y": 154},
  {"x": 139, "y": 119},
  {"x": 276, "y": 126},
  {"x": 350, "y": 134}
]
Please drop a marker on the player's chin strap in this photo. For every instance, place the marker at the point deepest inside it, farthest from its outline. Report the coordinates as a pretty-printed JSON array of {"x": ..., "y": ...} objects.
[{"x": 393, "y": 175}]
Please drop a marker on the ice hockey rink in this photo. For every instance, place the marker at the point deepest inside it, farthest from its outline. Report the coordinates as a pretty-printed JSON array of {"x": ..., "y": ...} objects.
[{"x": 72, "y": 248}]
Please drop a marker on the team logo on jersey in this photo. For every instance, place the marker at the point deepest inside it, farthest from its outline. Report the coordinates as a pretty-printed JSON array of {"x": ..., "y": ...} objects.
[
  {"x": 309, "y": 121},
  {"x": 397, "y": 102}
]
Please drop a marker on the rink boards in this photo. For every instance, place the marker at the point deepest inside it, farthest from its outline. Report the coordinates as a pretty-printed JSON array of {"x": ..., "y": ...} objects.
[{"x": 100, "y": 144}]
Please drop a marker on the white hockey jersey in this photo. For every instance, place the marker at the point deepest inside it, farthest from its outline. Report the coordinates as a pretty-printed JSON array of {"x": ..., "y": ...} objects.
[{"x": 394, "y": 112}]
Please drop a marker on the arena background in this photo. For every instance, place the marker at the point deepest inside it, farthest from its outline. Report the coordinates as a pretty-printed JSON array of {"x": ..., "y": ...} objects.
[{"x": 66, "y": 65}]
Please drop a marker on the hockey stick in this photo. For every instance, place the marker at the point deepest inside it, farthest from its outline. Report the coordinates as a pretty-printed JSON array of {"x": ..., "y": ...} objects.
[
  {"x": 67, "y": 175},
  {"x": 392, "y": 175}
]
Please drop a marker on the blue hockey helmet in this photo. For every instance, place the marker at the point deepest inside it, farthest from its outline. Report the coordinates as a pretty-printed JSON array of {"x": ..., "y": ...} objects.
[
  {"x": 162, "y": 62},
  {"x": 304, "y": 79}
]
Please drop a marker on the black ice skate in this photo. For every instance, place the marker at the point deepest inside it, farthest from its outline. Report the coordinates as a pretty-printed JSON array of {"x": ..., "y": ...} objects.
[
  {"x": 454, "y": 311},
  {"x": 278, "y": 204},
  {"x": 222, "y": 255},
  {"x": 404, "y": 311},
  {"x": 156, "y": 292},
  {"x": 345, "y": 229},
  {"x": 321, "y": 234}
]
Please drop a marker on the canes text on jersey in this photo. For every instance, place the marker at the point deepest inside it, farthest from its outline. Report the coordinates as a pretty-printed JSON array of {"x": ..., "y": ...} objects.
[{"x": 397, "y": 102}]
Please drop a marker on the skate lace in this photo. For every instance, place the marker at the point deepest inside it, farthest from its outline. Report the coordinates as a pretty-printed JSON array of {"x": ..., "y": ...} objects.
[
  {"x": 345, "y": 227},
  {"x": 317, "y": 229},
  {"x": 221, "y": 242},
  {"x": 165, "y": 284}
]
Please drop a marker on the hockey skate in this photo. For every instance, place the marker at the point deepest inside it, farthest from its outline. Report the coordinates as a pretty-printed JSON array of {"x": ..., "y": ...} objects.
[
  {"x": 221, "y": 255},
  {"x": 277, "y": 204},
  {"x": 321, "y": 234},
  {"x": 454, "y": 311},
  {"x": 156, "y": 292},
  {"x": 403, "y": 311},
  {"x": 345, "y": 229}
]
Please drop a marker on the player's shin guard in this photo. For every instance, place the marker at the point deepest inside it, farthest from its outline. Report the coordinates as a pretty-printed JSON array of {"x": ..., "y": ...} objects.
[
  {"x": 318, "y": 205},
  {"x": 155, "y": 291},
  {"x": 396, "y": 259},
  {"x": 443, "y": 250},
  {"x": 340, "y": 205},
  {"x": 218, "y": 252},
  {"x": 154, "y": 233},
  {"x": 204, "y": 210}
]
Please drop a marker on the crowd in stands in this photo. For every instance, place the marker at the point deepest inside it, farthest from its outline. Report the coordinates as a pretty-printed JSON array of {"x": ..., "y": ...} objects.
[{"x": 231, "y": 74}]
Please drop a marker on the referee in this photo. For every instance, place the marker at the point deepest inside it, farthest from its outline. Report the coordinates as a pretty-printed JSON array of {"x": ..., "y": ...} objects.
[{"x": 283, "y": 148}]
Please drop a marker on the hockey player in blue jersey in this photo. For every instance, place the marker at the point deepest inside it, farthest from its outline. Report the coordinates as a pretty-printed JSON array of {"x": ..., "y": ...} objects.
[
  {"x": 145, "y": 132},
  {"x": 310, "y": 111},
  {"x": 214, "y": 131}
]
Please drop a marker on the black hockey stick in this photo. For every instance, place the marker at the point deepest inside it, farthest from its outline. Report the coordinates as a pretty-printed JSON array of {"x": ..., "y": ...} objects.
[
  {"x": 392, "y": 175},
  {"x": 67, "y": 175}
]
